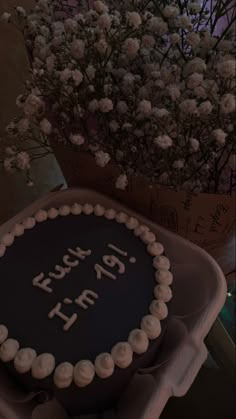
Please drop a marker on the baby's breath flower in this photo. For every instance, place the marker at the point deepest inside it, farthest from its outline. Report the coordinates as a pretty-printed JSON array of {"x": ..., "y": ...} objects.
[
  {"x": 114, "y": 126},
  {"x": 40, "y": 41},
  {"x": 77, "y": 49},
  {"x": 101, "y": 46},
  {"x": 58, "y": 28},
  {"x": 170, "y": 11},
  {"x": 77, "y": 139},
  {"x": 163, "y": 141},
  {"x": 174, "y": 92},
  {"x": 134, "y": 19},
  {"x": 122, "y": 182},
  {"x": 144, "y": 108},
  {"x": 93, "y": 105},
  {"x": 196, "y": 65},
  {"x": 43, "y": 5},
  {"x": 200, "y": 92},
  {"x": 23, "y": 160},
  {"x": 9, "y": 164},
  {"x": 102, "y": 158},
  {"x": 193, "y": 39},
  {"x": 131, "y": 47},
  {"x": 152, "y": 88},
  {"x": 227, "y": 103},
  {"x": 157, "y": 26},
  {"x": 90, "y": 72},
  {"x": 175, "y": 38},
  {"x": 194, "y": 80},
  {"x": 160, "y": 112},
  {"x": 185, "y": 23},
  {"x": 5, "y": 17},
  {"x": 127, "y": 126},
  {"x": 195, "y": 7},
  {"x": 105, "y": 105},
  {"x": 226, "y": 69},
  {"x": 138, "y": 133},
  {"x": 205, "y": 107},
  {"x": 44, "y": 31},
  {"x": 104, "y": 21},
  {"x": 32, "y": 105},
  {"x": 194, "y": 144},
  {"x": 50, "y": 63},
  {"x": 20, "y": 11},
  {"x": 70, "y": 25},
  {"x": 122, "y": 107},
  {"x": 188, "y": 106},
  {"x": 100, "y": 7},
  {"x": 77, "y": 76},
  {"x": 148, "y": 41},
  {"x": 20, "y": 101},
  {"x": 178, "y": 164},
  {"x": 23, "y": 126},
  {"x": 45, "y": 126},
  {"x": 65, "y": 75},
  {"x": 219, "y": 135}
]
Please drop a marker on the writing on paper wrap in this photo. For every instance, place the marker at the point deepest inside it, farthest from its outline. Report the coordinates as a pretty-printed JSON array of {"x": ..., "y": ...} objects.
[{"x": 110, "y": 267}]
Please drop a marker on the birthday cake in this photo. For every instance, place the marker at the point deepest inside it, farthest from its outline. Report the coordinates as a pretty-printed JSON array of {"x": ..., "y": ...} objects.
[{"x": 83, "y": 302}]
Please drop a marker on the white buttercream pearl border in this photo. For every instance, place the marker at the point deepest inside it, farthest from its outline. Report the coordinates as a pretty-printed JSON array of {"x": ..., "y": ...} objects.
[{"x": 121, "y": 356}]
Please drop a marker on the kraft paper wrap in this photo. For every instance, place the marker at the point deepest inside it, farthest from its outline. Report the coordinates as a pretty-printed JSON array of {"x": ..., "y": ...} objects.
[{"x": 206, "y": 219}]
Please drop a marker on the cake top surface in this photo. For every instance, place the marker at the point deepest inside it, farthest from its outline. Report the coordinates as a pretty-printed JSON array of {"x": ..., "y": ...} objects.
[{"x": 82, "y": 289}]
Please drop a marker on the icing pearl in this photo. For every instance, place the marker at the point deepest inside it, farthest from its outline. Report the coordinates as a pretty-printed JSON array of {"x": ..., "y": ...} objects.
[
  {"x": 41, "y": 216},
  {"x": 3, "y": 333},
  {"x": 164, "y": 277},
  {"x": 104, "y": 365},
  {"x": 161, "y": 262},
  {"x": 99, "y": 210},
  {"x": 29, "y": 223},
  {"x": 2, "y": 249},
  {"x": 63, "y": 375},
  {"x": 148, "y": 237},
  {"x": 163, "y": 292},
  {"x": 43, "y": 366},
  {"x": 53, "y": 213},
  {"x": 84, "y": 372},
  {"x": 110, "y": 214},
  {"x": 132, "y": 223},
  {"x": 64, "y": 210},
  {"x": 140, "y": 230},
  {"x": 138, "y": 341},
  {"x": 8, "y": 350},
  {"x": 24, "y": 359},
  {"x": 76, "y": 209},
  {"x": 87, "y": 209},
  {"x": 151, "y": 325},
  {"x": 121, "y": 217},
  {"x": 122, "y": 354},
  {"x": 18, "y": 230},
  {"x": 8, "y": 239},
  {"x": 155, "y": 249},
  {"x": 158, "y": 309}
]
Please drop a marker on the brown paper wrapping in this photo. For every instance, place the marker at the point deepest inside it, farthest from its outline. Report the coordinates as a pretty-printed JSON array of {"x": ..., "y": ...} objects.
[{"x": 206, "y": 219}]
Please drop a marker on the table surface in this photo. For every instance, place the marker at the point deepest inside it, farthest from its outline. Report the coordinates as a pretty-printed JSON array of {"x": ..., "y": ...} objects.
[{"x": 212, "y": 394}]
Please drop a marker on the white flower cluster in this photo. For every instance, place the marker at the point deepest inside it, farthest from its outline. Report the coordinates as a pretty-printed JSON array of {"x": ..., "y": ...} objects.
[{"x": 154, "y": 92}]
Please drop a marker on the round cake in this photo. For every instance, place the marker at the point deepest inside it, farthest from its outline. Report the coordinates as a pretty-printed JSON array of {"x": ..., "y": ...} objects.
[{"x": 83, "y": 303}]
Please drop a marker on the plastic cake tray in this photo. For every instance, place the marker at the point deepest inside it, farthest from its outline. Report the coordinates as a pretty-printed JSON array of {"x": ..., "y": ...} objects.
[{"x": 199, "y": 292}]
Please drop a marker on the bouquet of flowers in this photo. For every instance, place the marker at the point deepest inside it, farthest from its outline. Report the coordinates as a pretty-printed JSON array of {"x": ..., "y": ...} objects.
[{"x": 149, "y": 85}]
